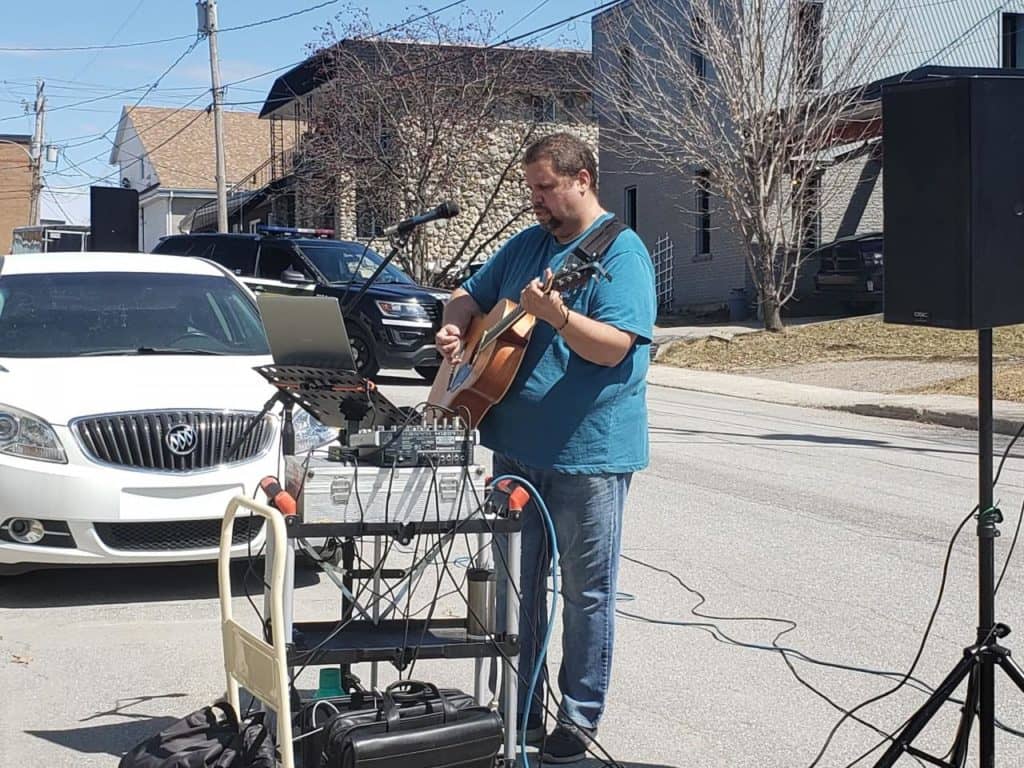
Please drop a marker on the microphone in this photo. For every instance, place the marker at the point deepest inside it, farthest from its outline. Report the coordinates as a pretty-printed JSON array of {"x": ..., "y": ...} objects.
[{"x": 445, "y": 210}]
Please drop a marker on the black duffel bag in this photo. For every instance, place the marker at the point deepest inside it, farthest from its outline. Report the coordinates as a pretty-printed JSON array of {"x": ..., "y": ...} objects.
[
  {"x": 415, "y": 726},
  {"x": 211, "y": 737}
]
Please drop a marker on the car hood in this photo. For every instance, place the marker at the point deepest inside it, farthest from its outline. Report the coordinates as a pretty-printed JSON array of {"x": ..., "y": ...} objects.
[
  {"x": 60, "y": 389},
  {"x": 389, "y": 291}
]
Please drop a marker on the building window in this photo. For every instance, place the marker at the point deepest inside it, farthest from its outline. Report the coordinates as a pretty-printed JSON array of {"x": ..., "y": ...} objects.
[
  {"x": 543, "y": 109},
  {"x": 810, "y": 212},
  {"x": 703, "y": 214},
  {"x": 1013, "y": 40},
  {"x": 698, "y": 46},
  {"x": 629, "y": 209},
  {"x": 810, "y": 51}
]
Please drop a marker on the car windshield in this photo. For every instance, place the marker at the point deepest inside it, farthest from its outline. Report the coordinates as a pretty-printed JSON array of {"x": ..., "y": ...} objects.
[
  {"x": 124, "y": 313},
  {"x": 338, "y": 261}
]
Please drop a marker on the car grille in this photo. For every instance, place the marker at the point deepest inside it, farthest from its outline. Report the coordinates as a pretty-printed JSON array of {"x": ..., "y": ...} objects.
[
  {"x": 434, "y": 310},
  {"x": 141, "y": 441},
  {"x": 846, "y": 264},
  {"x": 177, "y": 535}
]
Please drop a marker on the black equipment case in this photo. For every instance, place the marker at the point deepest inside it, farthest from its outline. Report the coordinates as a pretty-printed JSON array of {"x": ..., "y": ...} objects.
[
  {"x": 413, "y": 725},
  {"x": 314, "y": 715}
]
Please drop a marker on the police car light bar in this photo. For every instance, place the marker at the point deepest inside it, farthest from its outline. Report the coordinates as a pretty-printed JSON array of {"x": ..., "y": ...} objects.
[{"x": 269, "y": 230}]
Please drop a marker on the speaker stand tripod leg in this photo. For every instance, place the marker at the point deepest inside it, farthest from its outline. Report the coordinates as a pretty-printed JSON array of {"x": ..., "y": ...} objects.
[
  {"x": 963, "y": 732},
  {"x": 903, "y": 740},
  {"x": 1010, "y": 667}
]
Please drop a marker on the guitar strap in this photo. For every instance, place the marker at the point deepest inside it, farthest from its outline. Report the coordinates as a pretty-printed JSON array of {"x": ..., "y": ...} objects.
[{"x": 597, "y": 243}]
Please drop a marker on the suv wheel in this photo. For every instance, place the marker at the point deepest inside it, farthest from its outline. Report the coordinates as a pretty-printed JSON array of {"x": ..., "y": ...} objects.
[
  {"x": 362, "y": 351},
  {"x": 428, "y": 372}
]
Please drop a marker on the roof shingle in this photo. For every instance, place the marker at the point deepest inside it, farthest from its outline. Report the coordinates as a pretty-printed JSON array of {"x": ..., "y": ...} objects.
[{"x": 179, "y": 144}]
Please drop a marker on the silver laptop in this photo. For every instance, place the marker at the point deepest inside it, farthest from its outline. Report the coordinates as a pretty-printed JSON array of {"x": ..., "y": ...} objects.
[{"x": 306, "y": 331}]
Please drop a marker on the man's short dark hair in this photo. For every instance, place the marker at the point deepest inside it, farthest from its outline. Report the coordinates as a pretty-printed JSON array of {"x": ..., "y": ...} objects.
[{"x": 568, "y": 155}]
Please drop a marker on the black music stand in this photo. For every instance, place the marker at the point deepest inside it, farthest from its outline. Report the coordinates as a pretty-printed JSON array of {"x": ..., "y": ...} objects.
[{"x": 340, "y": 399}]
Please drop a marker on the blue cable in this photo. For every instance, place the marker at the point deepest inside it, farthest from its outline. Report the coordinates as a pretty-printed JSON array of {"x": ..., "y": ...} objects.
[{"x": 556, "y": 583}]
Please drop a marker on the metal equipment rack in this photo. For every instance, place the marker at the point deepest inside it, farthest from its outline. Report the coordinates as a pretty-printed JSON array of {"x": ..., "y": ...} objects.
[{"x": 263, "y": 665}]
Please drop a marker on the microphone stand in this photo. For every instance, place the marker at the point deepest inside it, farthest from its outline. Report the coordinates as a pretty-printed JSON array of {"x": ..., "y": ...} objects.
[
  {"x": 400, "y": 242},
  {"x": 287, "y": 400}
]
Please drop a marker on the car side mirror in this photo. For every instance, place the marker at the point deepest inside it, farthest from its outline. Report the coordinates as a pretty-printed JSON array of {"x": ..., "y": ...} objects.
[{"x": 294, "y": 276}]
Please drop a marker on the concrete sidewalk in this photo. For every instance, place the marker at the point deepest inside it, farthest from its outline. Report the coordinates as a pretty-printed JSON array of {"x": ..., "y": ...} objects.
[{"x": 945, "y": 410}]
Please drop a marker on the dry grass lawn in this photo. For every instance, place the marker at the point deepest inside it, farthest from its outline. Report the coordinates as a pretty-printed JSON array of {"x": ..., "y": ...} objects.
[{"x": 860, "y": 338}]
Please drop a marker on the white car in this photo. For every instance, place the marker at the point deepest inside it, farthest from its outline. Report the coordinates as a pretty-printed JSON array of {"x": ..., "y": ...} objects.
[{"x": 125, "y": 379}]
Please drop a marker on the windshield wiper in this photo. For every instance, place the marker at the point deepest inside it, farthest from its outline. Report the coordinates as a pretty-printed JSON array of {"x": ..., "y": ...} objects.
[{"x": 148, "y": 351}]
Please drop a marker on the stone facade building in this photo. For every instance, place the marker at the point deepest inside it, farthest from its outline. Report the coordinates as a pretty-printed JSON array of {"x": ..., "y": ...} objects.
[{"x": 487, "y": 186}]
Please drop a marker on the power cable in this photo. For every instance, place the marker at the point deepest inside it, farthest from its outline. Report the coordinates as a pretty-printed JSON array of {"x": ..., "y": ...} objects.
[
  {"x": 141, "y": 43},
  {"x": 524, "y": 17},
  {"x": 59, "y": 205},
  {"x": 113, "y": 37},
  {"x": 170, "y": 138},
  {"x": 375, "y": 34},
  {"x": 91, "y": 138}
]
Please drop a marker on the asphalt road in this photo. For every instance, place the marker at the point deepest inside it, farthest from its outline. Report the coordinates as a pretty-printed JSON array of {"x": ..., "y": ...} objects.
[{"x": 832, "y": 526}]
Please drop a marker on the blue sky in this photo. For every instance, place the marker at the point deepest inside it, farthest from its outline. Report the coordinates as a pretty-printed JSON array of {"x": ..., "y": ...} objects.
[{"x": 97, "y": 76}]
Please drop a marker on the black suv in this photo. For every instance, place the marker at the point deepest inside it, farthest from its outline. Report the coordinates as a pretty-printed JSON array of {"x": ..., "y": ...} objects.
[
  {"x": 393, "y": 325},
  {"x": 851, "y": 270}
]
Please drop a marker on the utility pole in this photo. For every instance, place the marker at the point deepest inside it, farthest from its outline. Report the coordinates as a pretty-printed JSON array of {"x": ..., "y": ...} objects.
[
  {"x": 37, "y": 156},
  {"x": 207, "y": 12}
]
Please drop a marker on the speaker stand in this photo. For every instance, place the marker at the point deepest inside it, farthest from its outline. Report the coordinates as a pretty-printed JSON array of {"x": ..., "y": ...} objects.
[{"x": 980, "y": 659}]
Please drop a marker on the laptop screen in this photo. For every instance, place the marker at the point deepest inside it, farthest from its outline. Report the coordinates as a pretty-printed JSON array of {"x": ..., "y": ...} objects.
[{"x": 306, "y": 331}]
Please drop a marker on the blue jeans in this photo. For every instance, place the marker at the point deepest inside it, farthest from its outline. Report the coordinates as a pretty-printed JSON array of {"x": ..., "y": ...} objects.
[{"x": 587, "y": 514}]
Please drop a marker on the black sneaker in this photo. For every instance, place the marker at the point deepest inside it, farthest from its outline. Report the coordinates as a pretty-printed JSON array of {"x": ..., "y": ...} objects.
[
  {"x": 535, "y": 730},
  {"x": 566, "y": 744}
]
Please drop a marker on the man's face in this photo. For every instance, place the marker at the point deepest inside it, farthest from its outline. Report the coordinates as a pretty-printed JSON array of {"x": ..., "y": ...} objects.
[{"x": 558, "y": 201}]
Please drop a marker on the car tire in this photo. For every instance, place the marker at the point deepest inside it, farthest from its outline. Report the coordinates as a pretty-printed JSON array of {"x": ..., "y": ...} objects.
[
  {"x": 363, "y": 352},
  {"x": 428, "y": 372}
]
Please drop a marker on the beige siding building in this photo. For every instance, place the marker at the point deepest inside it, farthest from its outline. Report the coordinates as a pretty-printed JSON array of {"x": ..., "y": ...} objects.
[{"x": 168, "y": 156}]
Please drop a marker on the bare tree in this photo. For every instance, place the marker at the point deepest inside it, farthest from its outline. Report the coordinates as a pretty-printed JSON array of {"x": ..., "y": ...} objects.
[
  {"x": 427, "y": 112},
  {"x": 753, "y": 98}
]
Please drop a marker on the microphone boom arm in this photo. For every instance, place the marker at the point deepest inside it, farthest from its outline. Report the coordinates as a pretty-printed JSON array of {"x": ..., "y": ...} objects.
[{"x": 348, "y": 306}]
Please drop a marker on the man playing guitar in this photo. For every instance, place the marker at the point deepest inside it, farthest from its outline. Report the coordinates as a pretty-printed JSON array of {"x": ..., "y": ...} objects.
[{"x": 573, "y": 422}]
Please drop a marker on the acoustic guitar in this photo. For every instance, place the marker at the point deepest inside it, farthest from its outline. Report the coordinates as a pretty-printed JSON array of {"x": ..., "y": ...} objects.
[{"x": 492, "y": 351}]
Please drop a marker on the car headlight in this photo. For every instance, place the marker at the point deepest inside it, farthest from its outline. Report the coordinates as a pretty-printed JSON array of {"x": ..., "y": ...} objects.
[
  {"x": 29, "y": 437},
  {"x": 403, "y": 310},
  {"x": 311, "y": 433}
]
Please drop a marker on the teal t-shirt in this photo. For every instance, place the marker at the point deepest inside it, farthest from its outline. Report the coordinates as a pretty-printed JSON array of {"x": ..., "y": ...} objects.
[{"x": 563, "y": 412}]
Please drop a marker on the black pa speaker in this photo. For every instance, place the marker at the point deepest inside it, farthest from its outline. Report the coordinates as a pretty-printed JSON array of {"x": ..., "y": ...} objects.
[
  {"x": 114, "y": 219},
  {"x": 954, "y": 202}
]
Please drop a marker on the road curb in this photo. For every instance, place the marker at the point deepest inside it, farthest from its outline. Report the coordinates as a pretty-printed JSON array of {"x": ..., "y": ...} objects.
[{"x": 948, "y": 411}]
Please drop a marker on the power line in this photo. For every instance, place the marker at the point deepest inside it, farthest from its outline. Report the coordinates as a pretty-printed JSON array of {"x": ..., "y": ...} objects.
[
  {"x": 151, "y": 87},
  {"x": 98, "y": 137},
  {"x": 117, "y": 171},
  {"x": 113, "y": 37},
  {"x": 375, "y": 34},
  {"x": 141, "y": 43},
  {"x": 474, "y": 50},
  {"x": 525, "y": 16},
  {"x": 60, "y": 206},
  {"x": 204, "y": 91}
]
